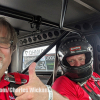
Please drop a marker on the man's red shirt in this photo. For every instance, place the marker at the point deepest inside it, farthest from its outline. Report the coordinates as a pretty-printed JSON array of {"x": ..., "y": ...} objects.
[
  {"x": 72, "y": 90},
  {"x": 5, "y": 93}
]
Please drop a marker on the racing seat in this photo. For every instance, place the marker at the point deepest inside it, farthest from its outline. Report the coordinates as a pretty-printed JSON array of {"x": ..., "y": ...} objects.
[{"x": 94, "y": 40}]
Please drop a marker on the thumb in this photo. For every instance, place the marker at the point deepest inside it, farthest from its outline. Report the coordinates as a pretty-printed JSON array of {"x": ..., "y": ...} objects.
[{"x": 32, "y": 70}]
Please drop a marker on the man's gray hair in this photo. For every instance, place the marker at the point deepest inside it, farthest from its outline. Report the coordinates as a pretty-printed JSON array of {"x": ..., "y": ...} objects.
[{"x": 11, "y": 34}]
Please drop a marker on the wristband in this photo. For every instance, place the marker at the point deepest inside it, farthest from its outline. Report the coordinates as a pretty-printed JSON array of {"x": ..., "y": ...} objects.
[{"x": 50, "y": 92}]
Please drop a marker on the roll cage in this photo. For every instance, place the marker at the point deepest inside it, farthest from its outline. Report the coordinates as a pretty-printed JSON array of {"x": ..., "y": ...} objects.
[{"x": 37, "y": 17}]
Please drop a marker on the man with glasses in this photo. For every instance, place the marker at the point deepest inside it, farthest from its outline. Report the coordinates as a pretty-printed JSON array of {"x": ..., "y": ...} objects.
[{"x": 8, "y": 40}]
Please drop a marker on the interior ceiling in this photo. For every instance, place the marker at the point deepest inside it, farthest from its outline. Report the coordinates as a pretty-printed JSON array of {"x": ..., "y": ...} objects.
[{"x": 51, "y": 10}]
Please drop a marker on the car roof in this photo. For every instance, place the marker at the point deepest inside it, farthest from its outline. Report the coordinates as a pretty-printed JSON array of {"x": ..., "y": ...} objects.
[{"x": 48, "y": 11}]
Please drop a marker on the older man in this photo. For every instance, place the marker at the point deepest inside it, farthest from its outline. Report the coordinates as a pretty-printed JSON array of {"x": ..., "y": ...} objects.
[
  {"x": 79, "y": 82},
  {"x": 8, "y": 40}
]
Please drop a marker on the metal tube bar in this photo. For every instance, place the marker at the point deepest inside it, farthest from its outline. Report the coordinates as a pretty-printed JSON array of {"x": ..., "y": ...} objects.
[
  {"x": 63, "y": 12},
  {"x": 15, "y": 13},
  {"x": 46, "y": 50},
  {"x": 24, "y": 16},
  {"x": 6, "y": 11}
]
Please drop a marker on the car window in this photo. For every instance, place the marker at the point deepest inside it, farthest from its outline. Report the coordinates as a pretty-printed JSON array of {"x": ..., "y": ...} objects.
[{"x": 45, "y": 64}]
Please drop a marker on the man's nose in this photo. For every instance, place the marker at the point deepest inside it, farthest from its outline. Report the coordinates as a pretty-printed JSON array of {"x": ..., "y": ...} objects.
[{"x": 77, "y": 63}]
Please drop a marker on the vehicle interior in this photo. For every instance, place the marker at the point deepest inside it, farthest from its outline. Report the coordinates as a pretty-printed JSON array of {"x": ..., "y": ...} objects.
[{"x": 40, "y": 24}]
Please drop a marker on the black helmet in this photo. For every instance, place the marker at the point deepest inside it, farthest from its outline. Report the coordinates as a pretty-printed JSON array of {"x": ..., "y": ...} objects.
[{"x": 74, "y": 46}]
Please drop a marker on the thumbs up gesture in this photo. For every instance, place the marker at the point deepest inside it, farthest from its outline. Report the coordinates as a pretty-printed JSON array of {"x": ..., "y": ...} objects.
[{"x": 32, "y": 90}]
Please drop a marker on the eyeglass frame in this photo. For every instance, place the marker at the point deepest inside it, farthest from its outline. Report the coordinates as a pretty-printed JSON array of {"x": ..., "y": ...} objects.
[{"x": 11, "y": 42}]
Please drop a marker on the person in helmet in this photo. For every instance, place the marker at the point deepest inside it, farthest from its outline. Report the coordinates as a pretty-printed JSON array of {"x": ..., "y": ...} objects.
[{"x": 79, "y": 82}]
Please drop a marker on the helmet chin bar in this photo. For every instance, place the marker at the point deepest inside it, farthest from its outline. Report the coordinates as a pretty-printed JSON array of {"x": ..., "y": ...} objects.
[
  {"x": 78, "y": 74},
  {"x": 82, "y": 80}
]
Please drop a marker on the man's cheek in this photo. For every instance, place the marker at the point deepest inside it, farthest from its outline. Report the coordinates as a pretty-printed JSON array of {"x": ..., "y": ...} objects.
[{"x": 1, "y": 64}]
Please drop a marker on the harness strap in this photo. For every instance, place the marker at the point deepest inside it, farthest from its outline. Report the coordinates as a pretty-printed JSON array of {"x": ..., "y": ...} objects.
[
  {"x": 17, "y": 78},
  {"x": 15, "y": 81},
  {"x": 15, "y": 86},
  {"x": 90, "y": 92},
  {"x": 97, "y": 84}
]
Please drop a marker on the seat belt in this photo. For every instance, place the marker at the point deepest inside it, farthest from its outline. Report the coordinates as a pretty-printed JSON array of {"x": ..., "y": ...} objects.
[
  {"x": 15, "y": 86},
  {"x": 90, "y": 92},
  {"x": 15, "y": 81}
]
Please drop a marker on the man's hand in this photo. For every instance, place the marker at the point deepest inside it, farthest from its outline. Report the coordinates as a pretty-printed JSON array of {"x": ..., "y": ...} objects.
[{"x": 30, "y": 91}]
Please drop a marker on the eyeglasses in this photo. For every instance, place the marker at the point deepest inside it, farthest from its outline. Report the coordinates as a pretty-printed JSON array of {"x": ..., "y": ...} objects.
[{"x": 4, "y": 43}]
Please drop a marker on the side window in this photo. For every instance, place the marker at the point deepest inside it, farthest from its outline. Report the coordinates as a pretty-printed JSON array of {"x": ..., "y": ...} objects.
[{"x": 45, "y": 64}]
